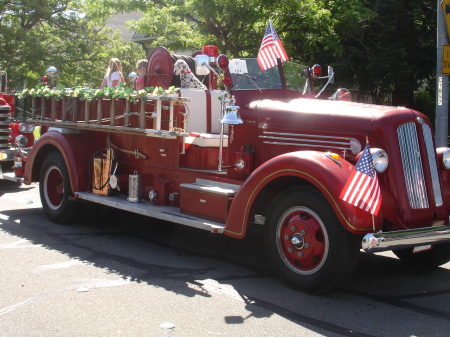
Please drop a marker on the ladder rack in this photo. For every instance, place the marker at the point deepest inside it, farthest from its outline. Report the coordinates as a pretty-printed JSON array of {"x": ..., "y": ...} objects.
[{"x": 71, "y": 112}]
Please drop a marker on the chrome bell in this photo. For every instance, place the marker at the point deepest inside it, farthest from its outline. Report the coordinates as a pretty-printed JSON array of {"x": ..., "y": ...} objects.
[{"x": 231, "y": 115}]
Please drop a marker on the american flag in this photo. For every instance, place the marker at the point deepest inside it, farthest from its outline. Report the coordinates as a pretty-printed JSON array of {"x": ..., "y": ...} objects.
[
  {"x": 362, "y": 189},
  {"x": 271, "y": 49}
]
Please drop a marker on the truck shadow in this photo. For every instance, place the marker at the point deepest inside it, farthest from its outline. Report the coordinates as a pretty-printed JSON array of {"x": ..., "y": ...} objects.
[
  {"x": 7, "y": 186},
  {"x": 181, "y": 260}
]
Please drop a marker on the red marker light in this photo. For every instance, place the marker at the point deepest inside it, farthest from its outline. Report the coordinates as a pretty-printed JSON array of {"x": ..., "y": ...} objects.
[
  {"x": 211, "y": 51},
  {"x": 316, "y": 70},
  {"x": 223, "y": 61}
]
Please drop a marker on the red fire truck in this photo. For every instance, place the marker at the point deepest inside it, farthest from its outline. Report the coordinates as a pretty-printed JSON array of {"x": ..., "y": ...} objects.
[
  {"x": 255, "y": 148},
  {"x": 16, "y": 136}
]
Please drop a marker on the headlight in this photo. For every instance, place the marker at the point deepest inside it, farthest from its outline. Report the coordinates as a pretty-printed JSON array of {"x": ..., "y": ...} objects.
[
  {"x": 21, "y": 141},
  {"x": 380, "y": 159},
  {"x": 446, "y": 158},
  {"x": 24, "y": 127}
]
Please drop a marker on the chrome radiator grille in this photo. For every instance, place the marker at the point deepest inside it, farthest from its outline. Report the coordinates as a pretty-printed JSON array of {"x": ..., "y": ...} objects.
[
  {"x": 5, "y": 130},
  {"x": 413, "y": 168}
]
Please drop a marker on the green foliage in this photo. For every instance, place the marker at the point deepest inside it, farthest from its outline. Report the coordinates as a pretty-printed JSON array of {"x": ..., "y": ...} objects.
[
  {"x": 88, "y": 94},
  {"x": 382, "y": 49},
  {"x": 425, "y": 101},
  {"x": 35, "y": 34}
]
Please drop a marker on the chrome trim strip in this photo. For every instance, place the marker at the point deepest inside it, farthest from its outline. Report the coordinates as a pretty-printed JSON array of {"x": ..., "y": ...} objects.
[
  {"x": 304, "y": 140},
  {"x": 305, "y": 135},
  {"x": 310, "y": 145},
  {"x": 412, "y": 166},
  {"x": 322, "y": 141},
  {"x": 378, "y": 242},
  {"x": 433, "y": 167}
]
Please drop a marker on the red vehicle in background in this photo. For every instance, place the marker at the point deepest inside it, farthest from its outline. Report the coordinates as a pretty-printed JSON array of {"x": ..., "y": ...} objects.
[{"x": 16, "y": 136}]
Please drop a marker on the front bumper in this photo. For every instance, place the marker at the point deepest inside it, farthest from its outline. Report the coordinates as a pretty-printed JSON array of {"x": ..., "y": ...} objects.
[{"x": 382, "y": 241}]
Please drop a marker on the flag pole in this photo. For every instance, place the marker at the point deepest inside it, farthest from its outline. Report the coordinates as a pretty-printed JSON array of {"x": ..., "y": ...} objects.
[{"x": 373, "y": 216}]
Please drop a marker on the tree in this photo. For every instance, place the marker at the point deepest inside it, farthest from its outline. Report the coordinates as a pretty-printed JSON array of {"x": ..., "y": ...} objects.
[
  {"x": 69, "y": 35},
  {"x": 383, "y": 49},
  {"x": 394, "y": 52},
  {"x": 236, "y": 26}
]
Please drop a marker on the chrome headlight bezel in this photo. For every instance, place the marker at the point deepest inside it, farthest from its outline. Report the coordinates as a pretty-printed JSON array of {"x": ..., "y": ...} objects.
[
  {"x": 21, "y": 141},
  {"x": 445, "y": 157},
  {"x": 380, "y": 159}
]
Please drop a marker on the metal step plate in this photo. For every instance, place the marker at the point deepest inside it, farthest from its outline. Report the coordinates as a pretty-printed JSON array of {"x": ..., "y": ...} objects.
[
  {"x": 146, "y": 208},
  {"x": 12, "y": 177}
]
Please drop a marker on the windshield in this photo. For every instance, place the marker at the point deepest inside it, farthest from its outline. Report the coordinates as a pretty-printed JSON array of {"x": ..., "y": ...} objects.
[{"x": 247, "y": 75}]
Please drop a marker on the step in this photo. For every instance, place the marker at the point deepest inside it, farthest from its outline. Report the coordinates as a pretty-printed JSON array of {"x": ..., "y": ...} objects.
[
  {"x": 12, "y": 177},
  {"x": 146, "y": 208},
  {"x": 207, "y": 199}
]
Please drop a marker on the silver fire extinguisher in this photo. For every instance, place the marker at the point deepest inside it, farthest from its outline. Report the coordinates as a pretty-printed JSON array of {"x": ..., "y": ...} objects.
[{"x": 134, "y": 187}]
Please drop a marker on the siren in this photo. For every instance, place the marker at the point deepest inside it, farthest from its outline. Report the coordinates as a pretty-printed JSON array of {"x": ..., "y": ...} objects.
[{"x": 212, "y": 52}]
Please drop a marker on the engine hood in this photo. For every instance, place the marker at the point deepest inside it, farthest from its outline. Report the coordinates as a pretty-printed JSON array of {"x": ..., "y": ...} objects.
[{"x": 327, "y": 115}]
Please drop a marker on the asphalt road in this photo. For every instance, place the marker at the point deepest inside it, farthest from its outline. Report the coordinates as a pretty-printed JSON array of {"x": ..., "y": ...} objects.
[{"x": 126, "y": 275}]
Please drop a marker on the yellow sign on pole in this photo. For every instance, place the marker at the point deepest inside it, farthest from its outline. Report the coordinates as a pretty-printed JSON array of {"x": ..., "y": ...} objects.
[
  {"x": 445, "y": 4},
  {"x": 446, "y": 59}
]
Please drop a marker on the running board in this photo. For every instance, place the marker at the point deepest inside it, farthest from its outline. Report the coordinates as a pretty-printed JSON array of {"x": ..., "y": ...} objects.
[
  {"x": 12, "y": 177},
  {"x": 146, "y": 208}
]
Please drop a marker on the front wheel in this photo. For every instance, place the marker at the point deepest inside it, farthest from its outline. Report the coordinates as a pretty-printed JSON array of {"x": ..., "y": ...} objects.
[
  {"x": 54, "y": 189},
  {"x": 306, "y": 244}
]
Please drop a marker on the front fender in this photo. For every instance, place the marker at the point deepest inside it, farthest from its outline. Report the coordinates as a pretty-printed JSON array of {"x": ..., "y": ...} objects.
[
  {"x": 311, "y": 167},
  {"x": 75, "y": 147}
]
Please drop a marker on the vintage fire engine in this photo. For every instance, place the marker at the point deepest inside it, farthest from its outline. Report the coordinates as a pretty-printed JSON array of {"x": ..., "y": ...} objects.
[
  {"x": 259, "y": 151},
  {"x": 16, "y": 136}
]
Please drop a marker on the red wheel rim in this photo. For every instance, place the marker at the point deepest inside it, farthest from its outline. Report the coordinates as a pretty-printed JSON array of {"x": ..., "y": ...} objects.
[
  {"x": 53, "y": 187},
  {"x": 302, "y": 240}
]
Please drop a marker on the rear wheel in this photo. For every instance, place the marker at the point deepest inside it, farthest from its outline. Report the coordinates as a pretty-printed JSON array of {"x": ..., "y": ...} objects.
[
  {"x": 55, "y": 191},
  {"x": 431, "y": 258},
  {"x": 305, "y": 242}
]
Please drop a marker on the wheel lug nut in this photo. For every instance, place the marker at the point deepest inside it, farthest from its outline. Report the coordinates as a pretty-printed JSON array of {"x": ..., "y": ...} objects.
[
  {"x": 302, "y": 232},
  {"x": 306, "y": 245},
  {"x": 299, "y": 254},
  {"x": 293, "y": 228},
  {"x": 290, "y": 250},
  {"x": 286, "y": 237}
]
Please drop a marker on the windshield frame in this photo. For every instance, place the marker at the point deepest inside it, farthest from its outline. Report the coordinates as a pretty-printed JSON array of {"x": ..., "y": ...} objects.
[{"x": 246, "y": 74}]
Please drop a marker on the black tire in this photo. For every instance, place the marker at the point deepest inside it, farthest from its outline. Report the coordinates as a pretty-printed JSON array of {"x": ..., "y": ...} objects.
[
  {"x": 431, "y": 258},
  {"x": 55, "y": 191},
  {"x": 306, "y": 244}
]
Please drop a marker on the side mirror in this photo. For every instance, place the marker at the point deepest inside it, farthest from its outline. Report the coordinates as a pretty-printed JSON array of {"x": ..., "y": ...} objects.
[
  {"x": 331, "y": 74},
  {"x": 201, "y": 65}
]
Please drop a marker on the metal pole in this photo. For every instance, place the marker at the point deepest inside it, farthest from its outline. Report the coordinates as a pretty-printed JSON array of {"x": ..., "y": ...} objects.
[{"x": 441, "y": 121}]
